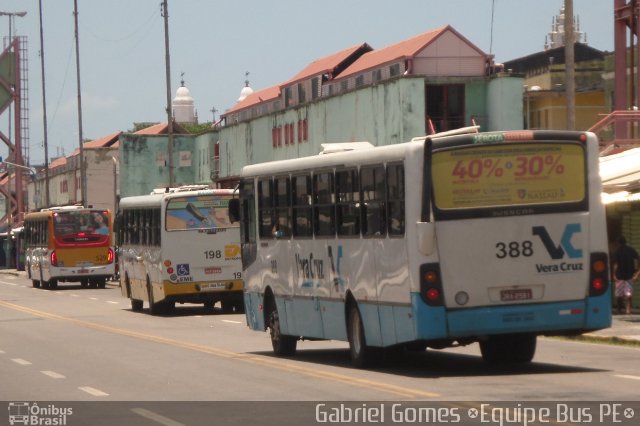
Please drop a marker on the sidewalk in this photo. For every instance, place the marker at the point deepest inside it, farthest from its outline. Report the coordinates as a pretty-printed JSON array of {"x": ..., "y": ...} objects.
[{"x": 624, "y": 328}]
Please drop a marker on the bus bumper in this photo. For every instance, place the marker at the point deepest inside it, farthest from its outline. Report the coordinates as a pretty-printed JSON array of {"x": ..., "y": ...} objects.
[{"x": 572, "y": 317}]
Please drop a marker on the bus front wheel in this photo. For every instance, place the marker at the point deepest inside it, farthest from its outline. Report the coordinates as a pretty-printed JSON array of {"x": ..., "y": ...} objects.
[
  {"x": 283, "y": 345},
  {"x": 362, "y": 356},
  {"x": 509, "y": 349}
]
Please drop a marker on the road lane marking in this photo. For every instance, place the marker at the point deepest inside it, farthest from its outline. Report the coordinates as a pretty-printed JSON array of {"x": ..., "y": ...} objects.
[
  {"x": 2, "y": 352},
  {"x": 93, "y": 391},
  {"x": 156, "y": 417},
  {"x": 20, "y": 361},
  {"x": 280, "y": 364},
  {"x": 626, "y": 376},
  {"x": 53, "y": 374},
  {"x": 232, "y": 322},
  {"x": 93, "y": 298},
  {"x": 112, "y": 302}
]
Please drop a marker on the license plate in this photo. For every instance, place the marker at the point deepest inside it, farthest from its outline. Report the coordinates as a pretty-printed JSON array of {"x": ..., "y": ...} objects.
[
  {"x": 212, "y": 286},
  {"x": 83, "y": 271},
  {"x": 514, "y": 295}
]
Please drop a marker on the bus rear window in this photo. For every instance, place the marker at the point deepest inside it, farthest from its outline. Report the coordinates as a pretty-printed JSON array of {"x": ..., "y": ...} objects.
[
  {"x": 198, "y": 212},
  {"x": 68, "y": 223},
  {"x": 505, "y": 175}
]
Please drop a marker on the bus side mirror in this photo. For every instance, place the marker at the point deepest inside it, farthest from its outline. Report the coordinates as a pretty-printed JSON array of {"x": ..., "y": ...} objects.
[
  {"x": 234, "y": 210},
  {"x": 426, "y": 237}
]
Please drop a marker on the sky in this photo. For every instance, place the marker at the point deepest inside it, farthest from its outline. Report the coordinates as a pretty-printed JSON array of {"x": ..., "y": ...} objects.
[{"x": 214, "y": 43}]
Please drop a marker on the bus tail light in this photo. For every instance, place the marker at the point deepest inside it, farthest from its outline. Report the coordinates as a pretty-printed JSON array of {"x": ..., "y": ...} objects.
[
  {"x": 110, "y": 256},
  {"x": 431, "y": 284},
  {"x": 598, "y": 274},
  {"x": 54, "y": 258}
]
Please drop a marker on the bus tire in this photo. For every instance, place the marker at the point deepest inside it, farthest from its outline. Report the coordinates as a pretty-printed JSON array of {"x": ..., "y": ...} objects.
[
  {"x": 508, "y": 349},
  {"x": 84, "y": 282},
  {"x": 283, "y": 345},
  {"x": 154, "y": 307},
  {"x": 101, "y": 283},
  {"x": 53, "y": 284},
  {"x": 362, "y": 356},
  {"x": 136, "y": 305},
  {"x": 35, "y": 283}
]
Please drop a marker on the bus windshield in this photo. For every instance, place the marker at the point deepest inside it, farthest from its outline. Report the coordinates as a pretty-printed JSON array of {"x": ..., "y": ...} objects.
[
  {"x": 199, "y": 212},
  {"x": 505, "y": 175},
  {"x": 80, "y": 221}
]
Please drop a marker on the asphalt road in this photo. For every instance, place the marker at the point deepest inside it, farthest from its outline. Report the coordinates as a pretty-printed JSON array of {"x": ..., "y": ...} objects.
[{"x": 76, "y": 344}]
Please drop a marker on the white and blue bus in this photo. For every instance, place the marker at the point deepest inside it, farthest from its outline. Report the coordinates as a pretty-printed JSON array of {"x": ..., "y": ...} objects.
[{"x": 446, "y": 240}]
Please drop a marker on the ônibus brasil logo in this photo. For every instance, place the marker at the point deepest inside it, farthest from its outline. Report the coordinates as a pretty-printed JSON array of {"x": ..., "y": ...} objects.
[
  {"x": 27, "y": 413},
  {"x": 558, "y": 251}
]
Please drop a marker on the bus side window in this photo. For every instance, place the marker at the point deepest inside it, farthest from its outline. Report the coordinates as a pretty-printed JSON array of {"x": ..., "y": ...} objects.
[
  {"x": 155, "y": 227},
  {"x": 373, "y": 209},
  {"x": 347, "y": 203},
  {"x": 282, "y": 203},
  {"x": 266, "y": 214},
  {"x": 302, "y": 217},
  {"x": 395, "y": 199},
  {"x": 324, "y": 216}
]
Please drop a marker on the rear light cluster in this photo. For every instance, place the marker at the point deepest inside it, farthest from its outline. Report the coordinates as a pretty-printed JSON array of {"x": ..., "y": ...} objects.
[
  {"x": 598, "y": 274},
  {"x": 54, "y": 258},
  {"x": 110, "y": 256},
  {"x": 167, "y": 264},
  {"x": 431, "y": 284}
]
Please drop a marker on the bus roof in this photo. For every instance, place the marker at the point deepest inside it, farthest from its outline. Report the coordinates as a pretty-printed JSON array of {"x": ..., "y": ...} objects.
[
  {"x": 344, "y": 158},
  {"x": 155, "y": 199}
]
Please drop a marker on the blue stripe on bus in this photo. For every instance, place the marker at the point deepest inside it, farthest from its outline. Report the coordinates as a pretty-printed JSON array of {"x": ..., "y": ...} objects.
[{"x": 387, "y": 325}]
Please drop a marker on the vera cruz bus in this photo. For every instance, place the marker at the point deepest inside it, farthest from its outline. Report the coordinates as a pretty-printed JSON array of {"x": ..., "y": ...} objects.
[
  {"x": 69, "y": 244},
  {"x": 494, "y": 238},
  {"x": 179, "y": 246}
]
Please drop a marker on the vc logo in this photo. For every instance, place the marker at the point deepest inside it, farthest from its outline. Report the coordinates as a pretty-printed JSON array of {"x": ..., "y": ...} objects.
[{"x": 557, "y": 251}]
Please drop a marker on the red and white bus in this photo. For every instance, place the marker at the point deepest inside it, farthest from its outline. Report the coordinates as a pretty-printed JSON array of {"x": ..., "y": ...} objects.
[{"x": 69, "y": 244}]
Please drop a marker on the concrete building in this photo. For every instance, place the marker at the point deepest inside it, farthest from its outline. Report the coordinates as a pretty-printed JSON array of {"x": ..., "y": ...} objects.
[
  {"x": 432, "y": 82},
  {"x": 101, "y": 156}
]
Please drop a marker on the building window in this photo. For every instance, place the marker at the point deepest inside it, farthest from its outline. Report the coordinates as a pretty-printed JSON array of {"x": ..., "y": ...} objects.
[
  {"x": 302, "y": 95},
  {"x": 359, "y": 81},
  {"x": 394, "y": 70}
]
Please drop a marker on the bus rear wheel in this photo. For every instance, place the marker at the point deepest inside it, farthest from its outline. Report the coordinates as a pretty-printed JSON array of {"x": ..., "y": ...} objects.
[
  {"x": 36, "y": 283},
  {"x": 509, "y": 349},
  {"x": 362, "y": 356},
  {"x": 136, "y": 305},
  {"x": 283, "y": 345}
]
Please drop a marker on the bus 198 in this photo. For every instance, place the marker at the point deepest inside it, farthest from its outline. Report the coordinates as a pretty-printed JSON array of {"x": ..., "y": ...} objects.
[
  {"x": 494, "y": 238},
  {"x": 69, "y": 244},
  {"x": 179, "y": 246}
]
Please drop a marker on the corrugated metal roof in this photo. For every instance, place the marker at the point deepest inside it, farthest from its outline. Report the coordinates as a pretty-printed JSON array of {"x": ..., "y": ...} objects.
[
  {"x": 327, "y": 64},
  {"x": 103, "y": 142},
  {"x": 255, "y": 98}
]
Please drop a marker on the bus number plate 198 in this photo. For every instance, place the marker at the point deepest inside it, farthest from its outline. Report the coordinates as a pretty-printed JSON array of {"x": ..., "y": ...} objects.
[{"x": 514, "y": 295}]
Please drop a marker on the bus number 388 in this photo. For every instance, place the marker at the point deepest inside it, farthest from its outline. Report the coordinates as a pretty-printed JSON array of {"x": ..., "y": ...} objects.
[{"x": 514, "y": 249}]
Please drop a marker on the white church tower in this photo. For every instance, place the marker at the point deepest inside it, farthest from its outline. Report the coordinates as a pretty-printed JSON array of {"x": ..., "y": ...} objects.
[{"x": 183, "y": 105}]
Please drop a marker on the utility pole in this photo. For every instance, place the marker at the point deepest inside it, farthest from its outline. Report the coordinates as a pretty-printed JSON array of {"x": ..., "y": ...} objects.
[
  {"x": 83, "y": 172},
  {"x": 570, "y": 66},
  {"x": 44, "y": 115},
  {"x": 165, "y": 14}
]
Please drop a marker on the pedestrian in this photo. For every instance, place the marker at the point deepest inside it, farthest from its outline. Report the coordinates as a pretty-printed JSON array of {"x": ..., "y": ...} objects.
[{"x": 626, "y": 268}]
